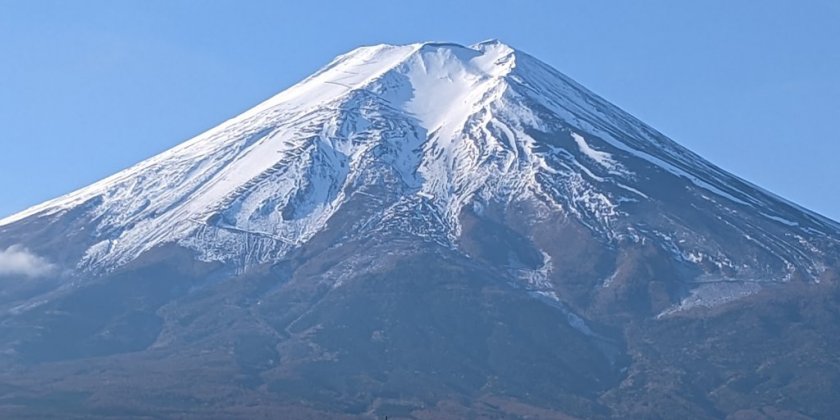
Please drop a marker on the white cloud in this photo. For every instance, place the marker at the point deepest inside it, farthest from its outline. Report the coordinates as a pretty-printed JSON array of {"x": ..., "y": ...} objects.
[{"x": 19, "y": 261}]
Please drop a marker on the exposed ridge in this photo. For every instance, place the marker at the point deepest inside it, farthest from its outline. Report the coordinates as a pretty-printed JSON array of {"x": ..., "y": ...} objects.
[{"x": 433, "y": 130}]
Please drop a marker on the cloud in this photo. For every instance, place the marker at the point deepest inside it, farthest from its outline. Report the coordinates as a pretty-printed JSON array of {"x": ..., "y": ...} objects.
[{"x": 19, "y": 261}]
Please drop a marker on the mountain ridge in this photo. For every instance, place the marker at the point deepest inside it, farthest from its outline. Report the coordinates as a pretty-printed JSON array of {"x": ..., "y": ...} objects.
[
  {"x": 425, "y": 230},
  {"x": 460, "y": 78}
]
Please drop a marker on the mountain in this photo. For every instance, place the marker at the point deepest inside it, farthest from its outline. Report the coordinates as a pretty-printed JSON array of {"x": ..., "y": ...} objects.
[{"x": 422, "y": 231}]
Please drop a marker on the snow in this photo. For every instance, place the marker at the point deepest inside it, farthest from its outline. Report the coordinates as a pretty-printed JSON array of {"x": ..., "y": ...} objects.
[
  {"x": 713, "y": 294},
  {"x": 437, "y": 126},
  {"x": 781, "y": 220},
  {"x": 346, "y": 72},
  {"x": 602, "y": 158}
]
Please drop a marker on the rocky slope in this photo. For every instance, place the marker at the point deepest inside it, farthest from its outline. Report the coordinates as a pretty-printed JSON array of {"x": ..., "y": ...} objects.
[{"x": 425, "y": 230}]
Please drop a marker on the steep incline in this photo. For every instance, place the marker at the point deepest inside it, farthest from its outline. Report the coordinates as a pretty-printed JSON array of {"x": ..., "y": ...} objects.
[
  {"x": 423, "y": 231},
  {"x": 434, "y": 129}
]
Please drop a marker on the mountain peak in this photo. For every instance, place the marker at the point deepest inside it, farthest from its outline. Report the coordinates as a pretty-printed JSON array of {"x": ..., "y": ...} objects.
[
  {"x": 438, "y": 128},
  {"x": 409, "y": 209},
  {"x": 360, "y": 67}
]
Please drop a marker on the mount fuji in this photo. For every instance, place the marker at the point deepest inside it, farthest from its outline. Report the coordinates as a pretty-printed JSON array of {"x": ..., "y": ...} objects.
[{"x": 422, "y": 231}]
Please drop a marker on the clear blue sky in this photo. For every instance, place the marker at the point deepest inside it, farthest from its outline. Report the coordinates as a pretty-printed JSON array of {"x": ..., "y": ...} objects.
[{"x": 90, "y": 87}]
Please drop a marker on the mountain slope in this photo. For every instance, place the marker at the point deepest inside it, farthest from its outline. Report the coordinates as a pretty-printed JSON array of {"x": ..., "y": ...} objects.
[
  {"x": 411, "y": 226},
  {"x": 453, "y": 125}
]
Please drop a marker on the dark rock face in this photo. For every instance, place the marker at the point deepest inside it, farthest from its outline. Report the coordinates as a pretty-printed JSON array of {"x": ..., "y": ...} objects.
[
  {"x": 418, "y": 330},
  {"x": 559, "y": 260}
]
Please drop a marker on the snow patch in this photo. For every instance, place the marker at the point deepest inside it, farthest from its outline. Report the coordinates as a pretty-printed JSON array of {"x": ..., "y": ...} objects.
[{"x": 602, "y": 158}]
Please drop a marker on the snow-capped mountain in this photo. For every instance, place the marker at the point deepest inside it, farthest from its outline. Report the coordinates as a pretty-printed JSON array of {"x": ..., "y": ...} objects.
[
  {"x": 431, "y": 129},
  {"x": 481, "y": 155}
]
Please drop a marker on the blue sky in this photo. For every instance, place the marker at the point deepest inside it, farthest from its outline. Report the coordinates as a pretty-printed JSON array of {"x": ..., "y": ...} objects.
[{"x": 90, "y": 87}]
